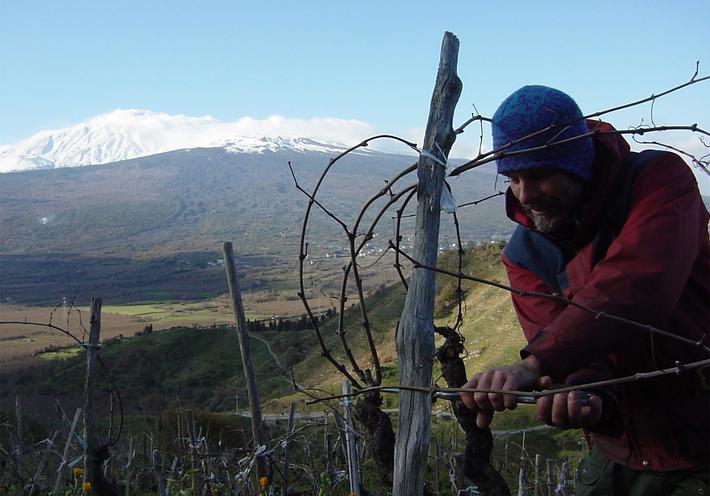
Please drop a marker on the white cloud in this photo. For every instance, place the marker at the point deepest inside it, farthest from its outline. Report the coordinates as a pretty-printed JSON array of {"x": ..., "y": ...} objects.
[
  {"x": 129, "y": 133},
  {"x": 327, "y": 129}
]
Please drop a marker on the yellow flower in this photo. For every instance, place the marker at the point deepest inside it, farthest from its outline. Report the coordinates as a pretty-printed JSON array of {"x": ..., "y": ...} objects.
[
  {"x": 77, "y": 471},
  {"x": 264, "y": 481},
  {"x": 86, "y": 486}
]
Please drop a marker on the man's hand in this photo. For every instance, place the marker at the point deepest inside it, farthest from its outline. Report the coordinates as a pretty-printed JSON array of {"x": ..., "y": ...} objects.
[
  {"x": 520, "y": 376},
  {"x": 565, "y": 410}
]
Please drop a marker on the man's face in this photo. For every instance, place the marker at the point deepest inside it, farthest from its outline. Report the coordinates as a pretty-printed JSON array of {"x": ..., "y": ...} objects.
[{"x": 548, "y": 196}]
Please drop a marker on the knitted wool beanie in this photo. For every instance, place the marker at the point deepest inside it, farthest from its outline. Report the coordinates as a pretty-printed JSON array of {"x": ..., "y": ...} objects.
[{"x": 530, "y": 109}]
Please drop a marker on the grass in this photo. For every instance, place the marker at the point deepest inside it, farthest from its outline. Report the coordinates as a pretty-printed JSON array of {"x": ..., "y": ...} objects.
[
  {"x": 170, "y": 312},
  {"x": 62, "y": 354},
  {"x": 126, "y": 320},
  {"x": 490, "y": 329},
  {"x": 201, "y": 366}
]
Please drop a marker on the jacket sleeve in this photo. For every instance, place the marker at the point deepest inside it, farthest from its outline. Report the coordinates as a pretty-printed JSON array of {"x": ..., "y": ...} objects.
[
  {"x": 533, "y": 314},
  {"x": 641, "y": 278}
]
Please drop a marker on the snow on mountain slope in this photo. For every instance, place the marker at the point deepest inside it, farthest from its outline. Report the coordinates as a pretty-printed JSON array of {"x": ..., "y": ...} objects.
[
  {"x": 125, "y": 134},
  {"x": 275, "y": 143}
]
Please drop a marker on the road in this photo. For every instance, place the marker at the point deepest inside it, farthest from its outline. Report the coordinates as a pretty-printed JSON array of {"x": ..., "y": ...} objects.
[{"x": 271, "y": 352}]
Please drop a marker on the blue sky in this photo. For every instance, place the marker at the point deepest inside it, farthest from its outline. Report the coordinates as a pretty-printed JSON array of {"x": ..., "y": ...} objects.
[{"x": 63, "y": 62}]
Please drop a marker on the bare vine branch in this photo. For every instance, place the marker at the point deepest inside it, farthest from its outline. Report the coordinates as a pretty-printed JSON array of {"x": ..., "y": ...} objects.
[
  {"x": 483, "y": 158},
  {"x": 113, "y": 389},
  {"x": 47, "y": 325},
  {"x": 353, "y": 264},
  {"x": 701, "y": 162},
  {"x": 500, "y": 153},
  {"x": 435, "y": 391}
]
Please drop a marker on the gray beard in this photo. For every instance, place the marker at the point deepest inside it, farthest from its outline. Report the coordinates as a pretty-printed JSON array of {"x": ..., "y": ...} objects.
[
  {"x": 560, "y": 211},
  {"x": 548, "y": 224}
]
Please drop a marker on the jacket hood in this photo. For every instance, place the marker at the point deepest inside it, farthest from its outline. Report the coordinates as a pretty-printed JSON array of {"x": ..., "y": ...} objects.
[{"x": 610, "y": 149}]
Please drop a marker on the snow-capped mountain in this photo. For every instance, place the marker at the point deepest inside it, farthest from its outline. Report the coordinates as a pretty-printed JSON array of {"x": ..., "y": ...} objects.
[
  {"x": 125, "y": 134},
  {"x": 276, "y": 143}
]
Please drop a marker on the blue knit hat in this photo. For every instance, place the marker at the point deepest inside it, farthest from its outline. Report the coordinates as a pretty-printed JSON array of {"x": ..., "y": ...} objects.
[{"x": 531, "y": 109}]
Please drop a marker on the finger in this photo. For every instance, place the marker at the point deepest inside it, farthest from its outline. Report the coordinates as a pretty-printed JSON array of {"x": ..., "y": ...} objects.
[
  {"x": 559, "y": 410},
  {"x": 510, "y": 400},
  {"x": 592, "y": 413},
  {"x": 544, "y": 382},
  {"x": 498, "y": 382},
  {"x": 482, "y": 400},
  {"x": 484, "y": 418},
  {"x": 575, "y": 411},
  {"x": 467, "y": 398},
  {"x": 543, "y": 409}
]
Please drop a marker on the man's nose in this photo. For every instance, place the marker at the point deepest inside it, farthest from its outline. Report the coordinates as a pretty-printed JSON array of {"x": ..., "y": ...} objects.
[{"x": 528, "y": 192}]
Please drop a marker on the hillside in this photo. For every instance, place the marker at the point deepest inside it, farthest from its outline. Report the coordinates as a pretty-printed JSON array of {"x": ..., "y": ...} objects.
[
  {"x": 202, "y": 367},
  {"x": 140, "y": 229},
  {"x": 190, "y": 200},
  {"x": 162, "y": 373}
]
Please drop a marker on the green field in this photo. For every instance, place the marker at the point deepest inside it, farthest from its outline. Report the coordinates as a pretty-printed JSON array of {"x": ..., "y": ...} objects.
[{"x": 170, "y": 312}]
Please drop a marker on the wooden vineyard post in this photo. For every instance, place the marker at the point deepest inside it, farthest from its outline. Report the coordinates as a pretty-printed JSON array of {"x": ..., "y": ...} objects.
[
  {"x": 42, "y": 463},
  {"x": 415, "y": 333},
  {"x": 194, "y": 462},
  {"x": 561, "y": 489},
  {"x": 538, "y": 471},
  {"x": 159, "y": 471},
  {"x": 65, "y": 454},
  {"x": 248, "y": 364},
  {"x": 351, "y": 449},
  {"x": 18, "y": 421},
  {"x": 287, "y": 445},
  {"x": 91, "y": 463},
  {"x": 522, "y": 474}
]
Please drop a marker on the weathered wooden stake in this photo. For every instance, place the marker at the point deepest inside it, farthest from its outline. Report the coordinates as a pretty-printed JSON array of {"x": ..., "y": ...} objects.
[
  {"x": 351, "y": 448},
  {"x": 287, "y": 446},
  {"x": 329, "y": 456},
  {"x": 415, "y": 333},
  {"x": 561, "y": 489},
  {"x": 129, "y": 463},
  {"x": 538, "y": 471},
  {"x": 549, "y": 476},
  {"x": 438, "y": 466},
  {"x": 65, "y": 453},
  {"x": 192, "y": 432},
  {"x": 41, "y": 464},
  {"x": 522, "y": 477},
  {"x": 18, "y": 421},
  {"x": 91, "y": 462},
  {"x": 247, "y": 363},
  {"x": 159, "y": 471}
]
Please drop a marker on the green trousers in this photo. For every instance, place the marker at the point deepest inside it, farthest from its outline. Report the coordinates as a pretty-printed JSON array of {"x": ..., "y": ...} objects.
[{"x": 597, "y": 475}]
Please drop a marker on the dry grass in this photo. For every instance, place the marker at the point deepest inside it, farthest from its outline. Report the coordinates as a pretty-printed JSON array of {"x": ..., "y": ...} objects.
[{"x": 19, "y": 342}]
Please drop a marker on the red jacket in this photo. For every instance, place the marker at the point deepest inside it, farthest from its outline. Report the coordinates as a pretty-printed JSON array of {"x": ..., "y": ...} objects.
[{"x": 640, "y": 251}]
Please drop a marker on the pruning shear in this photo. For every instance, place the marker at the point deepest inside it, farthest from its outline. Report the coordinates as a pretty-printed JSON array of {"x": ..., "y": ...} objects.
[{"x": 527, "y": 399}]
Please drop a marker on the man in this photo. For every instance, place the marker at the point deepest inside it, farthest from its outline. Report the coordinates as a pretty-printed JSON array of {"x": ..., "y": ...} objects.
[{"x": 623, "y": 233}]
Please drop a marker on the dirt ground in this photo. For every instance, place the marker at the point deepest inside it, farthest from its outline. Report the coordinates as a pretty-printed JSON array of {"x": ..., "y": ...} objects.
[
  {"x": 20, "y": 341},
  {"x": 24, "y": 330}
]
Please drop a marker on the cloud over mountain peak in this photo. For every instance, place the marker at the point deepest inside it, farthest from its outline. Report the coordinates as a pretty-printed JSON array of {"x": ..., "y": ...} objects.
[{"x": 129, "y": 133}]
